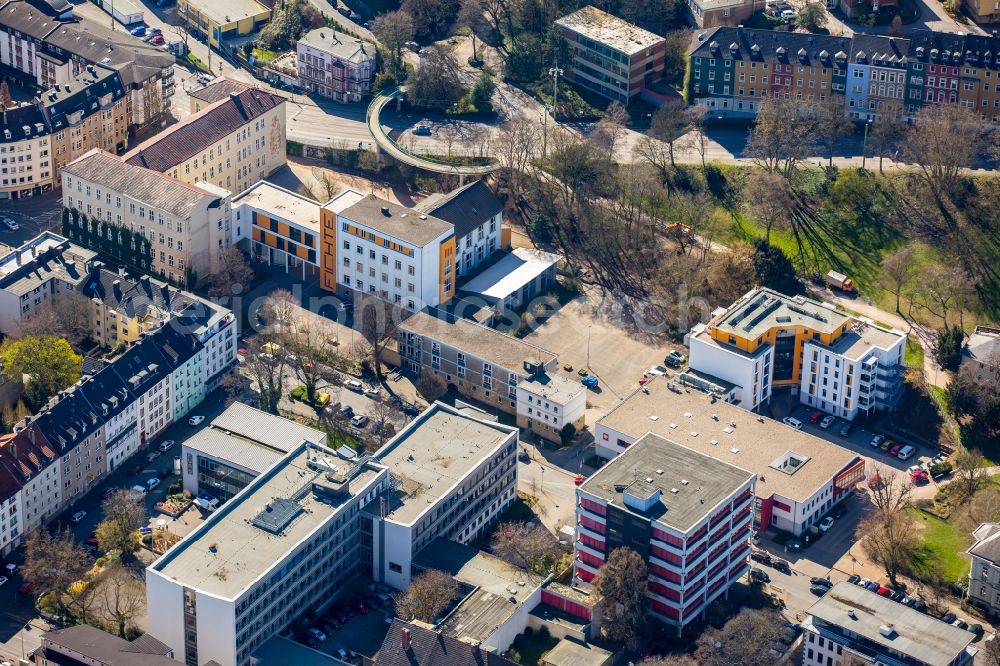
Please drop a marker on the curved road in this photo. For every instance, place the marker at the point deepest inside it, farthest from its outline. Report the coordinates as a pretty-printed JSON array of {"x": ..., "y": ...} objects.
[{"x": 393, "y": 149}]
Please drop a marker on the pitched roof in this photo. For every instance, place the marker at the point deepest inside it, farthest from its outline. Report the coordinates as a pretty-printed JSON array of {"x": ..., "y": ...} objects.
[
  {"x": 142, "y": 184},
  {"x": 168, "y": 149},
  {"x": 987, "y": 545},
  {"x": 429, "y": 648},
  {"x": 134, "y": 297},
  {"x": 10, "y": 481},
  {"x": 218, "y": 89},
  {"x": 45, "y": 257},
  {"x": 771, "y": 46},
  {"x": 94, "y": 89},
  {"x": 339, "y": 44},
  {"x": 19, "y": 119},
  {"x": 101, "y": 646},
  {"x": 467, "y": 207},
  {"x": 983, "y": 345}
]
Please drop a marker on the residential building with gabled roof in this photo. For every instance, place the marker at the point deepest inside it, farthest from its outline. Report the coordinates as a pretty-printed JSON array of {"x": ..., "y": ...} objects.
[{"x": 335, "y": 65}]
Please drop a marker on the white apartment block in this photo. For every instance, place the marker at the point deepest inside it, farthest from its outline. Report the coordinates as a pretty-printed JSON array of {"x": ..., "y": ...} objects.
[
  {"x": 398, "y": 254},
  {"x": 11, "y": 523},
  {"x": 232, "y": 143},
  {"x": 455, "y": 475},
  {"x": 188, "y": 226},
  {"x": 547, "y": 403},
  {"x": 26, "y": 155},
  {"x": 313, "y": 523},
  {"x": 32, "y": 274},
  {"x": 335, "y": 65},
  {"x": 832, "y": 361},
  {"x": 281, "y": 227},
  {"x": 477, "y": 215}
]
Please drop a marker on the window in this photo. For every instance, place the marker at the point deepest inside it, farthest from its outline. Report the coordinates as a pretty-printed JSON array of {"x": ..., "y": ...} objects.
[{"x": 395, "y": 568}]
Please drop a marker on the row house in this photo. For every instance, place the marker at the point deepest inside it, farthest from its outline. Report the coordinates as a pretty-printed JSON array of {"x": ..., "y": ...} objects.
[
  {"x": 84, "y": 433},
  {"x": 875, "y": 74},
  {"x": 45, "y": 46},
  {"x": 686, "y": 513}
]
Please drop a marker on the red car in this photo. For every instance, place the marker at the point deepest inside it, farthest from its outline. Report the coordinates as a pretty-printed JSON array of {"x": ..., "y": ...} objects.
[
  {"x": 883, "y": 591},
  {"x": 157, "y": 40},
  {"x": 895, "y": 449},
  {"x": 578, "y": 481},
  {"x": 26, "y": 588},
  {"x": 919, "y": 476},
  {"x": 362, "y": 608},
  {"x": 645, "y": 379},
  {"x": 91, "y": 540},
  {"x": 815, "y": 417}
]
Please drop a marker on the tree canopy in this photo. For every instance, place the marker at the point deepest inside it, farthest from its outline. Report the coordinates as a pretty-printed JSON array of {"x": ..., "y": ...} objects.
[{"x": 48, "y": 362}]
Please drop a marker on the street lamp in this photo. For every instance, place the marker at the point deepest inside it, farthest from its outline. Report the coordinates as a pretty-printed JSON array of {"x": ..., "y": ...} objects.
[
  {"x": 864, "y": 145},
  {"x": 555, "y": 73}
]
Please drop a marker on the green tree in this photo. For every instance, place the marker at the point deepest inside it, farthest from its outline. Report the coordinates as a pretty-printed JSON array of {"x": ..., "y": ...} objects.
[
  {"x": 621, "y": 582},
  {"x": 811, "y": 17},
  {"x": 567, "y": 433},
  {"x": 49, "y": 363},
  {"x": 123, "y": 516},
  {"x": 482, "y": 93},
  {"x": 774, "y": 269},
  {"x": 963, "y": 395},
  {"x": 947, "y": 351}
]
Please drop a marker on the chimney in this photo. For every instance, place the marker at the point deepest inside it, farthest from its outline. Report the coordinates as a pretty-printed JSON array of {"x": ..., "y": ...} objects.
[
  {"x": 31, "y": 435},
  {"x": 117, "y": 287},
  {"x": 121, "y": 272},
  {"x": 406, "y": 640},
  {"x": 13, "y": 450}
]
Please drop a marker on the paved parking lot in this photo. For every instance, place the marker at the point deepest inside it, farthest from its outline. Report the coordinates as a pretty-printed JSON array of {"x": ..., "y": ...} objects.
[{"x": 33, "y": 215}]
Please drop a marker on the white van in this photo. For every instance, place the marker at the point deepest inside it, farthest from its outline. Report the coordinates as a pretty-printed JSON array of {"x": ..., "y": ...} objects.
[
  {"x": 793, "y": 422},
  {"x": 906, "y": 452}
]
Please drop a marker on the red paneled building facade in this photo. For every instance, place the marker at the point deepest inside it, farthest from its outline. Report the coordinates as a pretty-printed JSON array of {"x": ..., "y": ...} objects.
[{"x": 687, "y": 514}]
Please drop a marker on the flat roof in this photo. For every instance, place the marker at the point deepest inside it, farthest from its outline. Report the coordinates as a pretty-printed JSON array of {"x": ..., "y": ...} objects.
[
  {"x": 433, "y": 453},
  {"x": 915, "y": 634},
  {"x": 230, "y": 11},
  {"x": 399, "y": 222},
  {"x": 685, "y": 415},
  {"x": 762, "y": 309},
  {"x": 568, "y": 652},
  {"x": 343, "y": 201},
  {"x": 228, "y": 552},
  {"x": 511, "y": 273},
  {"x": 862, "y": 337},
  {"x": 276, "y": 432},
  {"x": 282, "y": 203},
  {"x": 690, "y": 483},
  {"x": 486, "y": 343},
  {"x": 502, "y": 587},
  {"x": 279, "y": 651},
  {"x": 609, "y": 30},
  {"x": 553, "y": 387}
]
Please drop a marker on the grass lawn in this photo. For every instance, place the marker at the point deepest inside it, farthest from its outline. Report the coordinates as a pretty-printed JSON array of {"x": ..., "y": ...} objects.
[
  {"x": 941, "y": 549},
  {"x": 196, "y": 62},
  {"x": 263, "y": 56},
  {"x": 914, "y": 353}
]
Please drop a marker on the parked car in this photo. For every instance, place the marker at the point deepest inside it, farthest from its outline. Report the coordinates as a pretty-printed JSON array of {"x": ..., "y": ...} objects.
[
  {"x": 920, "y": 605},
  {"x": 883, "y": 591},
  {"x": 819, "y": 590},
  {"x": 877, "y": 440},
  {"x": 838, "y": 511},
  {"x": 657, "y": 371},
  {"x": 317, "y": 634},
  {"x": 826, "y": 582},
  {"x": 949, "y": 617},
  {"x": 422, "y": 130},
  {"x": 760, "y": 556},
  {"x": 3, "y": 579},
  {"x": 138, "y": 31},
  {"x": 846, "y": 430},
  {"x": 873, "y": 586},
  {"x": 905, "y": 452},
  {"x": 897, "y": 596},
  {"x": 782, "y": 566},
  {"x": 165, "y": 446},
  {"x": 793, "y": 422},
  {"x": 853, "y": 580},
  {"x": 894, "y": 449},
  {"x": 789, "y": 14},
  {"x": 758, "y": 576},
  {"x": 794, "y": 546},
  {"x": 78, "y": 517},
  {"x": 826, "y": 524},
  {"x": 11, "y": 224},
  {"x": 195, "y": 420},
  {"x": 134, "y": 470},
  {"x": 887, "y": 444},
  {"x": 675, "y": 359},
  {"x": 372, "y": 393},
  {"x": 826, "y": 422},
  {"x": 409, "y": 410},
  {"x": 815, "y": 416},
  {"x": 26, "y": 588},
  {"x": 960, "y": 623},
  {"x": 346, "y": 411},
  {"x": 10, "y": 568},
  {"x": 91, "y": 540},
  {"x": 354, "y": 385},
  {"x": 152, "y": 482},
  {"x": 359, "y": 421}
]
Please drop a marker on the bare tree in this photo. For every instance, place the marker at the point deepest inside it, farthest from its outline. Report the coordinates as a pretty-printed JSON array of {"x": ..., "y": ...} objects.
[
  {"x": 313, "y": 353},
  {"x": 472, "y": 18},
  {"x": 611, "y": 127},
  {"x": 429, "y": 594},
  {"x": 123, "y": 516},
  {"x": 782, "y": 136},
  {"x": 234, "y": 274},
  {"x": 518, "y": 142},
  {"x": 622, "y": 582},
  {"x": 830, "y": 122},
  {"x": 746, "y": 639},
  {"x": 888, "y": 534},
  {"x": 528, "y": 547},
  {"x": 898, "y": 271},
  {"x": 431, "y": 386},
  {"x": 264, "y": 364},
  {"x": 327, "y": 184},
  {"x": 970, "y": 470},
  {"x": 66, "y": 316},
  {"x": 699, "y": 139},
  {"x": 279, "y": 312},
  {"x": 890, "y": 490},
  {"x": 377, "y": 322},
  {"x": 943, "y": 140},
  {"x": 990, "y": 650},
  {"x": 123, "y": 597},
  {"x": 449, "y": 134},
  {"x": 668, "y": 125},
  {"x": 768, "y": 196},
  {"x": 886, "y": 130},
  {"x": 53, "y": 561},
  {"x": 393, "y": 30},
  {"x": 386, "y": 419}
]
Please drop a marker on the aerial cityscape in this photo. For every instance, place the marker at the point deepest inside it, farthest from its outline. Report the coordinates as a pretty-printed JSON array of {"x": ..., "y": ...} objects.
[{"x": 495, "y": 332}]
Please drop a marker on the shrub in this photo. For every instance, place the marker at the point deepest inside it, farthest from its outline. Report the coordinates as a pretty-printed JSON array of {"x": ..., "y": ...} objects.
[
  {"x": 940, "y": 468},
  {"x": 299, "y": 393}
]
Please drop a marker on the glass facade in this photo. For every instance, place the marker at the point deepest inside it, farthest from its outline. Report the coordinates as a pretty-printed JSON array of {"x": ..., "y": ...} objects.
[{"x": 221, "y": 480}]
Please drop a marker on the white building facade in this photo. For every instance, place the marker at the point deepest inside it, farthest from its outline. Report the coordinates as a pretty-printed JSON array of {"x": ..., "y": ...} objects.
[{"x": 335, "y": 65}]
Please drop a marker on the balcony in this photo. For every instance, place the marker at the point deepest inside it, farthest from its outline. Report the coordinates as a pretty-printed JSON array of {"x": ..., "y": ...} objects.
[{"x": 584, "y": 548}]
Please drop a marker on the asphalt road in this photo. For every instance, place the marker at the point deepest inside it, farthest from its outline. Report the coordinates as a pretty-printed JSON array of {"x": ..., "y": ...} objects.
[{"x": 33, "y": 215}]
